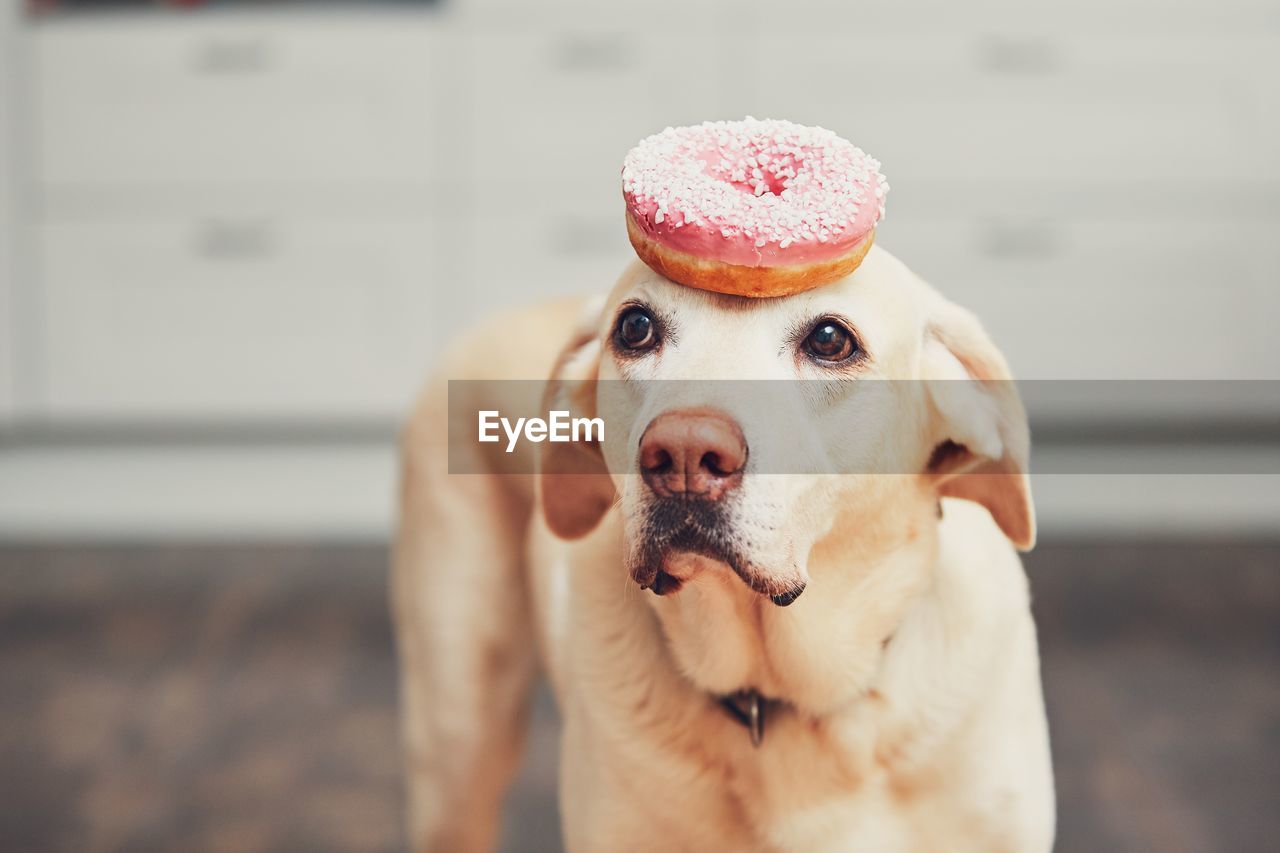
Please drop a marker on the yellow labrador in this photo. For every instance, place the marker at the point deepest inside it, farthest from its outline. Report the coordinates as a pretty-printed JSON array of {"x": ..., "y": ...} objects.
[{"x": 782, "y": 662}]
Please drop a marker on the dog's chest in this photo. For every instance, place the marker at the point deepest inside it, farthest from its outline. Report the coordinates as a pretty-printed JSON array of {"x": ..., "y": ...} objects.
[
  {"x": 808, "y": 786},
  {"x": 808, "y": 774}
]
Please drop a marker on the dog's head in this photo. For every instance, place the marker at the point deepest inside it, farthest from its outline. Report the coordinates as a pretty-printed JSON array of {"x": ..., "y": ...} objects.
[{"x": 715, "y": 474}]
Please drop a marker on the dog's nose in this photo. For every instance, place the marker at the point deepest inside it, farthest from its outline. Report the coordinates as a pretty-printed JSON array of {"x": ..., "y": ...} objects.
[{"x": 695, "y": 453}]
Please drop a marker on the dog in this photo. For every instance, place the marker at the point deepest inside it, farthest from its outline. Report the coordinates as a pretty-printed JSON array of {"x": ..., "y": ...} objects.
[{"x": 842, "y": 659}]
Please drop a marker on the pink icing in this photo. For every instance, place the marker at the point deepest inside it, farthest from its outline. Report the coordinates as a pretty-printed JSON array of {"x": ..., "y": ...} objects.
[{"x": 757, "y": 193}]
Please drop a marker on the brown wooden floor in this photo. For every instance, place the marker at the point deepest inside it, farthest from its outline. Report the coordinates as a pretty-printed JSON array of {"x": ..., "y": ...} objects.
[{"x": 244, "y": 699}]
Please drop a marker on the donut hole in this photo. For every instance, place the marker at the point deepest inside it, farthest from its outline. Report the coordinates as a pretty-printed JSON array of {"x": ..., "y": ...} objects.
[
  {"x": 773, "y": 182},
  {"x": 758, "y": 171}
]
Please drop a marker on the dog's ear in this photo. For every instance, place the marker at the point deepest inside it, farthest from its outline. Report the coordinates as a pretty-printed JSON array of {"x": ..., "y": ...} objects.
[
  {"x": 981, "y": 441},
  {"x": 574, "y": 482}
]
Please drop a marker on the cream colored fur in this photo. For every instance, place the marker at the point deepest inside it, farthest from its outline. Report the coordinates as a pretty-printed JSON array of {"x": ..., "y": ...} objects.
[{"x": 913, "y": 717}]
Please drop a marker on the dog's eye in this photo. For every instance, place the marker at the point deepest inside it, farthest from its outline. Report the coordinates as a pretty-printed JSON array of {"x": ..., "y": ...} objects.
[
  {"x": 636, "y": 329},
  {"x": 830, "y": 342}
]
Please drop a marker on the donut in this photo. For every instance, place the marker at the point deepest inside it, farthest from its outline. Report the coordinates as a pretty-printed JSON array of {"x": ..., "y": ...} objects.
[{"x": 758, "y": 207}]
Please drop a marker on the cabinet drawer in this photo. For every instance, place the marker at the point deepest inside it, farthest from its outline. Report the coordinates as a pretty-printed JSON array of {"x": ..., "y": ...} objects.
[
  {"x": 1185, "y": 17},
  {"x": 1109, "y": 299},
  {"x": 228, "y": 318},
  {"x": 562, "y": 251},
  {"x": 216, "y": 100},
  {"x": 566, "y": 106},
  {"x": 1052, "y": 109}
]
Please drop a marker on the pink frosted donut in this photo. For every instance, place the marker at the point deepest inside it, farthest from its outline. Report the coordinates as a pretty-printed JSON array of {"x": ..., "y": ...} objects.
[{"x": 754, "y": 207}]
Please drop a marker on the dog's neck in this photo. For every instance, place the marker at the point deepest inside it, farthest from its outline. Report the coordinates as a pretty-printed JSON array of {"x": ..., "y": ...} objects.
[{"x": 824, "y": 650}]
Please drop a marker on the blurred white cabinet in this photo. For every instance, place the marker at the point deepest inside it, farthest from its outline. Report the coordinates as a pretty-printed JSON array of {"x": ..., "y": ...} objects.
[
  {"x": 1095, "y": 179},
  {"x": 262, "y": 215},
  {"x": 197, "y": 100},
  {"x": 941, "y": 17},
  {"x": 8, "y": 218},
  {"x": 225, "y": 319},
  {"x": 555, "y": 95},
  {"x": 553, "y": 112},
  {"x": 8, "y": 326},
  {"x": 239, "y": 213},
  {"x": 559, "y": 250},
  {"x": 8, "y": 360},
  {"x": 1109, "y": 298},
  {"x": 991, "y": 110}
]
